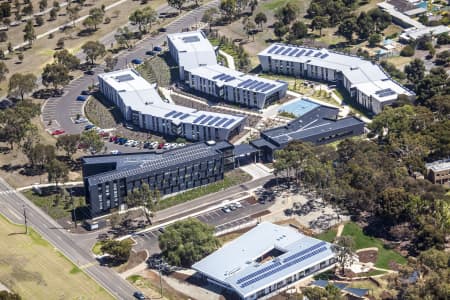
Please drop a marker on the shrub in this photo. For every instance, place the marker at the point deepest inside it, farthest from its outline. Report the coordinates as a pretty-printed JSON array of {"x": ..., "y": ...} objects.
[{"x": 407, "y": 51}]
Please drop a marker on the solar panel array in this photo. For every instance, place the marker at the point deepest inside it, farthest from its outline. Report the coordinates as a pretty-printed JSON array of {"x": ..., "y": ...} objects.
[
  {"x": 122, "y": 78},
  {"x": 224, "y": 77},
  {"x": 216, "y": 121},
  {"x": 300, "y": 253},
  {"x": 283, "y": 266},
  {"x": 260, "y": 271},
  {"x": 385, "y": 93},
  {"x": 256, "y": 85},
  {"x": 296, "y": 52}
]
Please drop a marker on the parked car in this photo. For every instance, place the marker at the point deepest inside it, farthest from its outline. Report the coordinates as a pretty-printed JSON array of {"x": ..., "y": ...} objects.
[
  {"x": 136, "y": 61},
  {"x": 85, "y": 92},
  {"x": 81, "y": 121},
  {"x": 58, "y": 132},
  {"x": 238, "y": 204},
  {"x": 161, "y": 145},
  {"x": 146, "y": 145},
  {"x": 181, "y": 144},
  {"x": 150, "y": 52},
  {"x": 233, "y": 207},
  {"x": 161, "y": 229},
  {"x": 89, "y": 127},
  {"x": 157, "y": 48},
  {"x": 115, "y": 152},
  {"x": 139, "y": 295},
  {"x": 163, "y": 29},
  {"x": 81, "y": 98},
  {"x": 226, "y": 209},
  {"x": 129, "y": 143}
]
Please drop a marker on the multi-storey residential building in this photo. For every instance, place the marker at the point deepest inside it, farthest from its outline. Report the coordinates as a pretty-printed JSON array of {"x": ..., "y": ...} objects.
[
  {"x": 142, "y": 106},
  {"x": 365, "y": 81},
  {"x": 108, "y": 179},
  {"x": 234, "y": 86},
  {"x": 438, "y": 171},
  {"x": 190, "y": 50}
]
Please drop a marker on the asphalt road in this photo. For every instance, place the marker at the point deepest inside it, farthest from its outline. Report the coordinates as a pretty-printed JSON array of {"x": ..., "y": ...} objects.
[
  {"x": 59, "y": 112},
  {"x": 12, "y": 204}
]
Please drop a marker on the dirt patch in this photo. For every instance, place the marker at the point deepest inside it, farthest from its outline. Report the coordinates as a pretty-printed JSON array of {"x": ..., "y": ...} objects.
[
  {"x": 135, "y": 259},
  {"x": 368, "y": 256},
  {"x": 292, "y": 222},
  {"x": 168, "y": 291},
  {"x": 260, "y": 214}
]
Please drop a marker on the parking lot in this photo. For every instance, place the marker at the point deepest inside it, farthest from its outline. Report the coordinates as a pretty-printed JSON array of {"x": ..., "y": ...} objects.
[{"x": 219, "y": 218}]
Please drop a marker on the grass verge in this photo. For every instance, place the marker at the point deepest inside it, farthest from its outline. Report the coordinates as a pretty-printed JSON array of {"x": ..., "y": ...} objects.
[
  {"x": 385, "y": 256},
  {"x": 328, "y": 235},
  {"x": 96, "y": 249},
  {"x": 31, "y": 267},
  {"x": 231, "y": 178}
]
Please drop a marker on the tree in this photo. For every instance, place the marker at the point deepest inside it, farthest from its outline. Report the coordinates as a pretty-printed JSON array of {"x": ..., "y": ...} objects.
[
  {"x": 443, "y": 58},
  {"x": 40, "y": 155},
  {"x": 375, "y": 39},
  {"x": 20, "y": 56},
  {"x": 5, "y": 295},
  {"x": 143, "y": 18},
  {"x": 3, "y": 71},
  {"x": 260, "y": 19},
  {"x": 96, "y": 17},
  {"x": 123, "y": 36},
  {"x": 443, "y": 39},
  {"x": 114, "y": 219},
  {"x": 298, "y": 30},
  {"x": 68, "y": 143},
  {"x": 434, "y": 83},
  {"x": 5, "y": 10},
  {"x": 42, "y": 5},
  {"x": 208, "y": 16},
  {"x": 119, "y": 250},
  {"x": 72, "y": 12},
  {"x": 364, "y": 26},
  {"x": 39, "y": 20},
  {"x": 177, "y": 4},
  {"x": 415, "y": 71},
  {"x": 319, "y": 22},
  {"x": 22, "y": 84},
  {"x": 29, "y": 34},
  {"x": 407, "y": 51},
  {"x": 145, "y": 198},
  {"x": 65, "y": 58},
  {"x": 28, "y": 9},
  {"x": 110, "y": 62},
  {"x": 56, "y": 75},
  {"x": 279, "y": 29},
  {"x": 93, "y": 50},
  {"x": 288, "y": 13},
  {"x": 344, "y": 251},
  {"x": 229, "y": 8},
  {"x": 347, "y": 28},
  {"x": 380, "y": 19},
  {"x": 92, "y": 140},
  {"x": 57, "y": 172},
  {"x": 186, "y": 242},
  {"x": 53, "y": 14},
  {"x": 3, "y": 36}
]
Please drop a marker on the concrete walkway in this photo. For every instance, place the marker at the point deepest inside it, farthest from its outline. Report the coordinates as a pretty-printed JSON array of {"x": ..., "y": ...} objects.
[
  {"x": 339, "y": 230},
  {"x": 229, "y": 58},
  {"x": 49, "y": 184}
]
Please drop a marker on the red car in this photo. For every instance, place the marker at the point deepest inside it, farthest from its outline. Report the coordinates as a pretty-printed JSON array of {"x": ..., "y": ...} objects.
[
  {"x": 160, "y": 146},
  {"x": 58, "y": 132}
]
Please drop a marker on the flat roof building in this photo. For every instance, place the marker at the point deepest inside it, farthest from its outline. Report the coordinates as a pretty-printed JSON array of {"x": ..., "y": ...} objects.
[
  {"x": 109, "y": 178},
  {"x": 265, "y": 261},
  {"x": 141, "y": 105},
  {"x": 438, "y": 172},
  {"x": 364, "y": 80},
  {"x": 234, "y": 86},
  {"x": 190, "y": 50},
  {"x": 316, "y": 123}
]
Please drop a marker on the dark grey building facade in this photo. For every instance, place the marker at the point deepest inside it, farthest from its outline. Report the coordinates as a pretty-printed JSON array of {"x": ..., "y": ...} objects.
[
  {"x": 109, "y": 178},
  {"x": 318, "y": 126}
]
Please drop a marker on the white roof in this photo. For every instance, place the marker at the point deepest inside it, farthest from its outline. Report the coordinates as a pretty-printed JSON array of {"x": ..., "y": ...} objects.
[
  {"x": 236, "y": 264},
  {"x": 415, "y": 33},
  {"x": 440, "y": 165},
  {"x": 390, "y": 9},
  {"x": 192, "y": 41},
  {"x": 365, "y": 75},
  {"x": 139, "y": 95},
  {"x": 227, "y": 77}
]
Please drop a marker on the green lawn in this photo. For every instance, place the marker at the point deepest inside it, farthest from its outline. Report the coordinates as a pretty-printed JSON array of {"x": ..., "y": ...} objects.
[
  {"x": 34, "y": 269},
  {"x": 363, "y": 241},
  {"x": 231, "y": 178},
  {"x": 97, "y": 248},
  {"x": 272, "y": 5},
  {"x": 328, "y": 235},
  {"x": 55, "y": 208}
]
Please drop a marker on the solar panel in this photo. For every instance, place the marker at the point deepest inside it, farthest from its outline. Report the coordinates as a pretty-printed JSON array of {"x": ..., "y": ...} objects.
[
  {"x": 248, "y": 83},
  {"x": 260, "y": 271},
  {"x": 214, "y": 120},
  {"x": 177, "y": 114},
  {"x": 228, "y": 123},
  {"x": 244, "y": 82},
  {"x": 294, "y": 51},
  {"x": 254, "y": 83},
  {"x": 309, "y": 53},
  {"x": 221, "y": 121},
  {"x": 324, "y": 55},
  {"x": 199, "y": 118},
  {"x": 184, "y": 116},
  {"x": 300, "y": 53},
  {"x": 270, "y": 86},
  {"x": 170, "y": 113},
  {"x": 272, "y": 49},
  {"x": 300, "y": 253},
  {"x": 286, "y": 51},
  {"x": 217, "y": 76},
  {"x": 259, "y": 86},
  {"x": 122, "y": 78},
  {"x": 206, "y": 120},
  {"x": 229, "y": 78},
  {"x": 279, "y": 50},
  {"x": 382, "y": 91},
  {"x": 190, "y": 39},
  {"x": 283, "y": 266},
  {"x": 318, "y": 54}
]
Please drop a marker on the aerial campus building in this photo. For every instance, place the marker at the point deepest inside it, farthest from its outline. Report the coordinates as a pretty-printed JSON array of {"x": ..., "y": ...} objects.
[
  {"x": 365, "y": 81},
  {"x": 109, "y": 178},
  {"x": 265, "y": 261},
  {"x": 315, "y": 123},
  {"x": 141, "y": 105},
  {"x": 199, "y": 70}
]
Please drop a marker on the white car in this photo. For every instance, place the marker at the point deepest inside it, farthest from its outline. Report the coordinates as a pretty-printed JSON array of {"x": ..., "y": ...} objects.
[
  {"x": 81, "y": 120},
  {"x": 115, "y": 152},
  {"x": 226, "y": 209},
  {"x": 238, "y": 204},
  {"x": 129, "y": 143},
  {"x": 181, "y": 144}
]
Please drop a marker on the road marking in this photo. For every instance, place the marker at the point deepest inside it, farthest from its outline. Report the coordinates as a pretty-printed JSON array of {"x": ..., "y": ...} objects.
[{"x": 85, "y": 266}]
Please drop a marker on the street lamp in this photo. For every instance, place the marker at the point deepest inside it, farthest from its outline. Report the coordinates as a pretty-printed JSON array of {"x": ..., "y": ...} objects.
[
  {"x": 74, "y": 209},
  {"x": 25, "y": 218}
]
